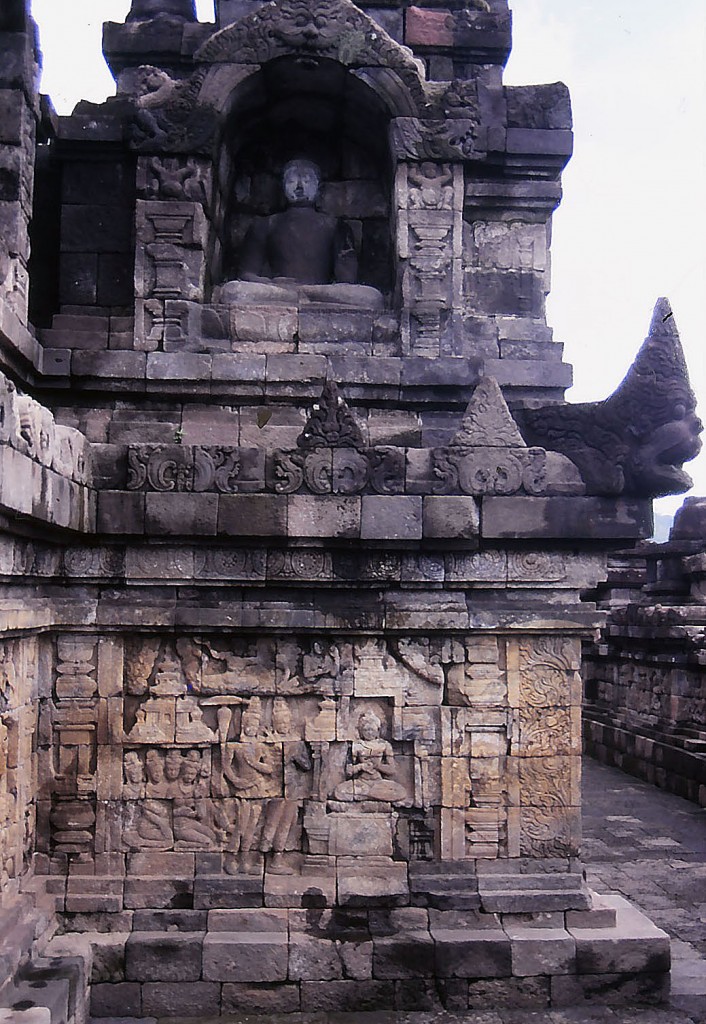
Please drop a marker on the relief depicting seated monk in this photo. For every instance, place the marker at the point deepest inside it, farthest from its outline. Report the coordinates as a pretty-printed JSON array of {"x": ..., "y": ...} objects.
[
  {"x": 371, "y": 769},
  {"x": 300, "y": 254}
]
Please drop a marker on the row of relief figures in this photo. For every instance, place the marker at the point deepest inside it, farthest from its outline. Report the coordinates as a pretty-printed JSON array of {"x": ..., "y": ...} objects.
[
  {"x": 369, "y": 797},
  {"x": 536, "y": 671}
]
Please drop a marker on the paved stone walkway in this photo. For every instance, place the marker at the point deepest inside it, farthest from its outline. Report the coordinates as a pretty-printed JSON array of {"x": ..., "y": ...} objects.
[
  {"x": 650, "y": 846},
  {"x": 647, "y": 845}
]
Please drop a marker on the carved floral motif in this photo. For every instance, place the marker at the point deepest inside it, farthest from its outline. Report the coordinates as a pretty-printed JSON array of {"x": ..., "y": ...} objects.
[
  {"x": 546, "y": 832},
  {"x": 546, "y": 664}
]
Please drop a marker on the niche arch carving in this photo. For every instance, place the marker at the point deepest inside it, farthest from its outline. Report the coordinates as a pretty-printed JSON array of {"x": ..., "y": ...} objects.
[{"x": 319, "y": 110}]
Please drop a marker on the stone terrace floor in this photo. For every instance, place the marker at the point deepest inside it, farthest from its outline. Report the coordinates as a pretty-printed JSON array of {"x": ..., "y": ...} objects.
[{"x": 646, "y": 845}]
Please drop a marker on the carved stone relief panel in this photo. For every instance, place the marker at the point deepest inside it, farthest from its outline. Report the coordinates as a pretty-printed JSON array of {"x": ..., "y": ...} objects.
[
  {"x": 174, "y": 178},
  {"x": 284, "y": 753},
  {"x": 169, "y": 257},
  {"x": 18, "y": 761},
  {"x": 474, "y": 821},
  {"x": 548, "y": 672},
  {"x": 545, "y": 687}
]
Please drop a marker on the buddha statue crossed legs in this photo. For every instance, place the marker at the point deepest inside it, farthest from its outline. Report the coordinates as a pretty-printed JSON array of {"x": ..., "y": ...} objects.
[{"x": 300, "y": 254}]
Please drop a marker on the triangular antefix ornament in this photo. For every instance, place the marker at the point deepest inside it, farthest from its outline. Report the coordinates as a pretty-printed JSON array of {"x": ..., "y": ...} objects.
[
  {"x": 331, "y": 424},
  {"x": 487, "y": 421}
]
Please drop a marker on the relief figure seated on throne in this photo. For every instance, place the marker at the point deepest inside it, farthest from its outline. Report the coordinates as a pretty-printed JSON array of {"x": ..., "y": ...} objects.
[
  {"x": 300, "y": 254},
  {"x": 371, "y": 770}
]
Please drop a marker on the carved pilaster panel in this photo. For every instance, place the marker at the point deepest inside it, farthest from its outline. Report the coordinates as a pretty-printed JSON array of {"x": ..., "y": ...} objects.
[
  {"x": 475, "y": 676},
  {"x": 543, "y": 672},
  {"x": 76, "y": 666},
  {"x": 550, "y": 781},
  {"x": 170, "y": 250},
  {"x": 19, "y": 683},
  {"x": 550, "y": 832},
  {"x": 430, "y": 228}
]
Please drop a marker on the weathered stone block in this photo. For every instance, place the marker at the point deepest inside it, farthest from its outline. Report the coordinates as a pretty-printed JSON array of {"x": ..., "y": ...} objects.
[
  {"x": 556, "y": 518},
  {"x": 542, "y": 951},
  {"x": 170, "y": 920},
  {"x": 225, "y": 891},
  {"x": 609, "y": 989},
  {"x": 346, "y": 996},
  {"x": 360, "y": 834},
  {"x": 409, "y": 955},
  {"x": 181, "y": 514},
  {"x": 257, "y": 999},
  {"x": 314, "y": 959},
  {"x": 252, "y": 515},
  {"x": 178, "y": 366},
  {"x": 181, "y": 999},
  {"x": 468, "y": 953},
  {"x": 453, "y": 517},
  {"x": 634, "y": 946},
  {"x": 239, "y": 921},
  {"x": 250, "y": 957},
  {"x": 121, "y": 1000},
  {"x": 323, "y": 516},
  {"x": 150, "y": 892},
  {"x": 13, "y": 113},
  {"x": 397, "y": 517},
  {"x": 297, "y": 890},
  {"x": 321, "y": 325},
  {"x": 163, "y": 956},
  {"x": 112, "y": 365},
  {"x": 513, "y": 993},
  {"x": 95, "y": 229},
  {"x": 108, "y": 955},
  {"x": 368, "y": 882},
  {"x": 272, "y": 328}
]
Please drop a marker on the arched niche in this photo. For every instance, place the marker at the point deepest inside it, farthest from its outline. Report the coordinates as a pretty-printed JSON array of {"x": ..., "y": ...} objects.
[{"x": 320, "y": 109}]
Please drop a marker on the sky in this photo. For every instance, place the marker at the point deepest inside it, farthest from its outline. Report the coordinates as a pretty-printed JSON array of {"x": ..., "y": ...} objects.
[{"x": 632, "y": 224}]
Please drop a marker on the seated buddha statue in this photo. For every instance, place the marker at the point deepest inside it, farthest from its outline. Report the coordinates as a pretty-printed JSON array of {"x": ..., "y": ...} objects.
[{"x": 300, "y": 254}]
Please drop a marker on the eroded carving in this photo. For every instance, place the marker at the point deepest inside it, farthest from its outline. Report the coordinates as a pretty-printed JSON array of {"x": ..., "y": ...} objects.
[
  {"x": 331, "y": 423},
  {"x": 636, "y": 441},
  {"x": 168, "y": 117}
]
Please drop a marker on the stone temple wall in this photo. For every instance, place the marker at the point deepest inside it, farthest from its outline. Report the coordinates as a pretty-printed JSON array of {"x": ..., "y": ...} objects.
[
  {"x": 299, "y": 541},
  {"x": 645, "y": 688}
]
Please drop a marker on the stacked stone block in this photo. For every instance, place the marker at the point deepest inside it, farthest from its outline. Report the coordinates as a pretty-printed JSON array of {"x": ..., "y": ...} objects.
[
  {"x": 645, "y": 694},
  {"x": 19, "y": 114}
]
